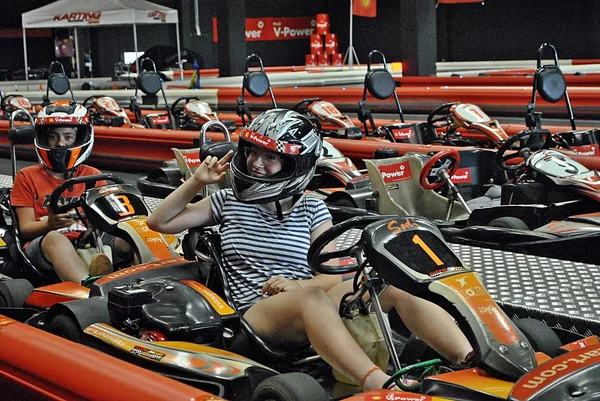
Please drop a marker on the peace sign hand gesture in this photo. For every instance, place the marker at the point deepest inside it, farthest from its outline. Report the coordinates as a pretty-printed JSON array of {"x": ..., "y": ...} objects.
[{"x": 212, "y": 170}]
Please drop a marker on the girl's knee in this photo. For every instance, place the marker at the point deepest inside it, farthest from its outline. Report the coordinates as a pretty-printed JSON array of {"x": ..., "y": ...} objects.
[{"x": 315, "y": 296}]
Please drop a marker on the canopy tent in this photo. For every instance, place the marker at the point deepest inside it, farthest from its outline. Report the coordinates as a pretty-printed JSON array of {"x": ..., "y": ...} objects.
[{"x": 96, "y": 13}]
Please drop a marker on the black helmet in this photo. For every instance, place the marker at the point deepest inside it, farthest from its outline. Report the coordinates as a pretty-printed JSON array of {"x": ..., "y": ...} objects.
[
  {"x": 294, "y": 139},
  {"x": 63, "y": 114}
]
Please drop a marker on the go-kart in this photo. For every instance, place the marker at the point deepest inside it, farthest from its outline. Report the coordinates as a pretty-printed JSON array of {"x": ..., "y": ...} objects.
[
  {"x": 194, "y": 113},
  {"x": 10, "y": 103},
  {"x": 549, "y": 82},
  {"x": 550, "y": 208},
  {"x": 456, "y": 124},
  {"x": 513, "y": 360},
  {"x": 117, "y": 209},
  {"x": 105, "y": 111},
  {"x": 329, "y": 118}
]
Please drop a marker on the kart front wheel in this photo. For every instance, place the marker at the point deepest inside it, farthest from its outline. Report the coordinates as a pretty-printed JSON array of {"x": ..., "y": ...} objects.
[
  {"x": 293, "y": 386},
  {"x": 540, "y": 335},
  {"x": 14, "y": 293},
  {"x": 65, "y": 325}
]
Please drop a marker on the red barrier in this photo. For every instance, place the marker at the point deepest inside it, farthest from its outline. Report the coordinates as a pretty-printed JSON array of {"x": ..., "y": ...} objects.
[{"x": 40, "y": 365}]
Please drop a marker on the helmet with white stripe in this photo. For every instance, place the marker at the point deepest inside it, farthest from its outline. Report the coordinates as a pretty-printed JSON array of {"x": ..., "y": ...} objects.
[{"x": 289, "y": 135}]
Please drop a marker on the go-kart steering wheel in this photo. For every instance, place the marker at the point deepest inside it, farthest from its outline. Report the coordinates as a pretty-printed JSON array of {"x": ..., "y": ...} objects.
[
  {"x": 178, "y": 111},
  {"x": 302, "y": 106},
  {"x": 446, "y": 160},
  {"x": 524, "y": 149},
  {"x": 85, "y": 102},
  {"x": 88, "y": 180},
  {"x": 440, "y": 116},
  {"x": 317, "y": 258}
]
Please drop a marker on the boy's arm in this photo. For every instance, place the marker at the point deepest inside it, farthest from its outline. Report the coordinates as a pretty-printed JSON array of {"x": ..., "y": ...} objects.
[{"x": 31, "y": 228}]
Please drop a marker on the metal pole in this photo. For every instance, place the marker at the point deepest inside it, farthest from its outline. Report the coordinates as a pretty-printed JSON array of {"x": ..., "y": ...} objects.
[
  {"x": 135, "y": 47},
  {"x": 351, "y": 53},
  {"x": 77, "y": 52},
  {"x": 179, "y": 51},
  {"x": 25, "y": 55}
]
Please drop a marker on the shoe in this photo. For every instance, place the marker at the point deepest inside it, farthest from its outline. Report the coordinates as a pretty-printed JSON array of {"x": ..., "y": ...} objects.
[{"x": 100, "y": 265}]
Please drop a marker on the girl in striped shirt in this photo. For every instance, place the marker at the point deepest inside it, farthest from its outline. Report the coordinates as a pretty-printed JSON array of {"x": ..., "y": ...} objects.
[{"x": 267, "y": 224}]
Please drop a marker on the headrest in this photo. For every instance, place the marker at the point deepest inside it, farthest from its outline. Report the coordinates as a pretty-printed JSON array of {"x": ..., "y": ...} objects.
[
  {"x": 256, "y": 82},
  {"x": 59, "y": 83},
  {"x": 551, "y": 83},
  {"x": 380, "y": 83}
]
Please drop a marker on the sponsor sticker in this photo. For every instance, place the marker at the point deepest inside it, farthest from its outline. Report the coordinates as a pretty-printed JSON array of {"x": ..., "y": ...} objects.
[
  {"x": 462, "y": 176},
  {"x": 147, "y": 353},
  {"x": 395, "y": 172},
  {"x": 587, "y": 150},
  {"x": 403, "y": 133}
]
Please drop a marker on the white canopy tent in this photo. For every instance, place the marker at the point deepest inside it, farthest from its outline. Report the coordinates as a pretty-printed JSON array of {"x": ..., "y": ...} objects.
[{"x": 96, "y": 13}]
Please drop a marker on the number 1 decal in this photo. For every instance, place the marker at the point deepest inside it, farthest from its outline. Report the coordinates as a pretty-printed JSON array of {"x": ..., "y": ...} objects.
[
  {"x": 124, "y": 200},
  {"x": 417, "y": 240}
]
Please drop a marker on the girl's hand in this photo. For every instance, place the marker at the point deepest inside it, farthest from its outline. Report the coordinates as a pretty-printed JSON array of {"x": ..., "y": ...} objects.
[
  {"x": 278, "y": 284},
  {"x": 212, "y": 170}
]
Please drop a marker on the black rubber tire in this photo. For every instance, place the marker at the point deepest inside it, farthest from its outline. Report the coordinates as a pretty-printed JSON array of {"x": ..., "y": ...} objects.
[
  {"x": 541, "y": 337},
  {"x": 14, "y": 293},
  {"x": 294, "y": 386},
  {"x": 64, "y": 325},
  {"x": 509, "y": 222}
]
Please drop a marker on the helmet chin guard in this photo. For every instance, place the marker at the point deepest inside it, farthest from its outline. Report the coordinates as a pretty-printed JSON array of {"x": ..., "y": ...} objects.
[{"x": 287, "y": 134}]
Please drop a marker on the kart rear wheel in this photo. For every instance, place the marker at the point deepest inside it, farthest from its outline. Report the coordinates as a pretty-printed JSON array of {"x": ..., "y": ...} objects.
[
  {"x": 541, "y": 337},
  {"x": 64, "y": 325},
  {"x": 294, "y": 386},
  {"x": 14, "y": 293},
  {"x": 509, "y": 222}
]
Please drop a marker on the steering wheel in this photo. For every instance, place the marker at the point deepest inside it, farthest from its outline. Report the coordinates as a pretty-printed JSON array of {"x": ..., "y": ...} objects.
[
  {"x": 446, "y": 160},
  {"x": 525, "y": 149},
  {"x": 85, "y": 102},
  {"x": 440, "y": 116},
  {"x": 317, "y": 257},
  {"x": 303, "y": 104},
  {"x": 88, "y": 180},
  {"x": 178, "y": 111}
]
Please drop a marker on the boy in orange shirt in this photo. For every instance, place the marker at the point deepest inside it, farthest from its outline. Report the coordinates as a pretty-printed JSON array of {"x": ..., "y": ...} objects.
[{"x": 63, "y": 141}]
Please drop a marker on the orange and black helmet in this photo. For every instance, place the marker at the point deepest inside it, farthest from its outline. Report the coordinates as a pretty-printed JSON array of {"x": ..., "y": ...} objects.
[{"x": 63, "y": 114}]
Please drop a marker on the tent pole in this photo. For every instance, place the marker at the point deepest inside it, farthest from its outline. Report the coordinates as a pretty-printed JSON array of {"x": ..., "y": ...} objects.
[
  {"x": 135, "y": 47},
  {"x": 77, "y": 52},
  {"x": 179, "y": 51},
  {"x": 25, "y": 55}
]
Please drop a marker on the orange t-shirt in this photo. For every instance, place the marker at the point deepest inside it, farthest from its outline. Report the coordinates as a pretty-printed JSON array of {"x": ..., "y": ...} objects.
[{"x": 33, "y": 186}]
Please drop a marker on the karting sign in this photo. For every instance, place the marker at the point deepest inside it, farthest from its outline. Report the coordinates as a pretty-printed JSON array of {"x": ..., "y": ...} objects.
[
  {"x": 395, "y": 172},
  {"x": 462, "y": 176},
  {"x": 275, "y": 28}
]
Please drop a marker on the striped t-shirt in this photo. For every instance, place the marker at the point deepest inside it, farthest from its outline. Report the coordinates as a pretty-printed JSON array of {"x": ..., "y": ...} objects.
[{"x": 257, "y": 246}]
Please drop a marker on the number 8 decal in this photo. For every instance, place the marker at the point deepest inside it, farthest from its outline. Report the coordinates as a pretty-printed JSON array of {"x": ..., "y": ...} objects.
[{"x": 124, "y": 200}]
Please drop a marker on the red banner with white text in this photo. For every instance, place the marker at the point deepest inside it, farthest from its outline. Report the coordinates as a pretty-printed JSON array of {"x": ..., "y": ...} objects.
[
  {"x": 272, "y": 28},
  {"x": 364, "y": 8}
]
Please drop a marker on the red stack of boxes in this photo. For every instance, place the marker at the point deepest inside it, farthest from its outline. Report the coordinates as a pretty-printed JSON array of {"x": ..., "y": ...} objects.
[{"x": 323, "y": 45}]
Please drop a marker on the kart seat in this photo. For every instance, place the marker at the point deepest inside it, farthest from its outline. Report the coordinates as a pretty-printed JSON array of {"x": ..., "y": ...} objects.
[
  {"x": 249, "y": 343},
  {"x": 396, "y": 182}
]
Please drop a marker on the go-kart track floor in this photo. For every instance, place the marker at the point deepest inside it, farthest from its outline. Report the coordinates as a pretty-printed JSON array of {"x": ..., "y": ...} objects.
[{"x": 562, "y": 293}]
